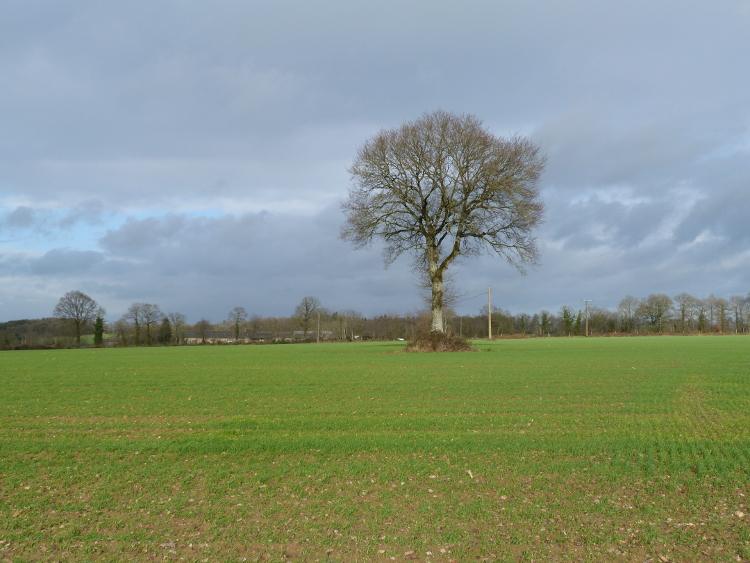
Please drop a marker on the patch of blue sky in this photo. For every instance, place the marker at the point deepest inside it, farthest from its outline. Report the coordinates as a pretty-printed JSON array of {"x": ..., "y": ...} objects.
[{"x": 66, "y": 228}]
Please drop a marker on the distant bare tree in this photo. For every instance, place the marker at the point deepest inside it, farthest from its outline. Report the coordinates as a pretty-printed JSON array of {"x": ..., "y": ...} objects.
[
  {"x": 237, "y": 318},
  {"x": 701, "y": 308},
  {"x": 78, "y": 310},
  {"x": 281, "y": 324},
  {"x": 178, "y": 325},
  {"x": 710, "y": 308},
  {"x": 739, "y": 305},
  {"x": 135, "y": 314},
  {"x": 202, "y": 327},
  {"x": 442, "y": 186},
  {"x": 602, "y": 320},
  {"x": 686, "y": 306},
  {"x": 255, "y": 324},
  {"x": 522, "y": 322},
  {"x": 350, "y": 323},
  {"x": 628, "y": 311},
  {"x": 151, "y": 315},
  {"x": 721, "y": 307},
  {"x": 693, "y": 311},
  {"x": 123, "y": 328},
  {"x": 305, "y": 312},
  {"x": 656, "y": 308}
]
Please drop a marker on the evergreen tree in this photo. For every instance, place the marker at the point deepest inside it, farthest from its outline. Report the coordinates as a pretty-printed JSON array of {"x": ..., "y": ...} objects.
[
  {"x": 568, "y": 319},
  {"x": 544, "y": 322},
  {"x": 165, "y": 331},
  {"x": 98, "y": 332}
]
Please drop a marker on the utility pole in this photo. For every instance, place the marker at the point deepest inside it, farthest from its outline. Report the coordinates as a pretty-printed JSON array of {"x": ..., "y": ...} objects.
[
  {"x": 587, "y": 314},
  {"x": 489, "y": 314}
]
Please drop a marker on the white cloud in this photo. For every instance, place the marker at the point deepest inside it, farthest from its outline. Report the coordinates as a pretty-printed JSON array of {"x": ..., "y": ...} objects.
[{"x": 704, "y": 237}]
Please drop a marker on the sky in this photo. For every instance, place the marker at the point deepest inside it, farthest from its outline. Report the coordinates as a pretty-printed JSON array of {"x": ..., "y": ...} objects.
[{"x": 194, "y": 155}]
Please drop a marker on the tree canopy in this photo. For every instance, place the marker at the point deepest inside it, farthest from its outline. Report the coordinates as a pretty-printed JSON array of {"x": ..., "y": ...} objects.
[
  {"x": 442, "y": 186},
  {"x": 304, "y": 312},
  {"x": 77, "y": 309}
]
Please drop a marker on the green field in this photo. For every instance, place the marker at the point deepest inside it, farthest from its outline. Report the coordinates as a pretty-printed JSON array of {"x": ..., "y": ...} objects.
[{"x": 629, "y": 449}]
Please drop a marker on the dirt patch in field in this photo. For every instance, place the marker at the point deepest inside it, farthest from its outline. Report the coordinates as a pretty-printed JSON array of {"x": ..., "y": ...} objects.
[{"x": 439, "y": 342}]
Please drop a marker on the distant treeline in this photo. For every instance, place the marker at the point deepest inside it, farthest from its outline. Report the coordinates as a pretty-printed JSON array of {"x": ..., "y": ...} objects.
[
  {"x": 655, "y": 314},
  {"x": 29, "y": 334}
]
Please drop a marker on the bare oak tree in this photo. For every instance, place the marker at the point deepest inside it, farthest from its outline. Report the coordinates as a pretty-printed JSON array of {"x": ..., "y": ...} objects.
[
  {"x": 721, "y": 308},
  {"x": 178, "y": 325},
  {"x": 202, "y": 327},
  {"x": 151, "y": 315},
  {"x": 442, "y": 186},
  {"x": 135, "y": 314},
  {"x": 305, "y": 311},
  {"x": 656, "y": 308},
  {"x": 143, "y": 314},
  {"x": 254, "y": 325},
  {"x": 237, "y": 319},
  {"x": 685, "y": 307},
  {"x": 628, "y": 313},
  {"x": 77, "y": 309},
  {"x": 739, "y": 305},
  {"x": 123, "y": 328}
]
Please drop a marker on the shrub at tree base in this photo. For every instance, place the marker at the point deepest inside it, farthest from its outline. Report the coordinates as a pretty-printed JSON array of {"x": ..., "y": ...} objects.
[{"x": 436, "y": 341}]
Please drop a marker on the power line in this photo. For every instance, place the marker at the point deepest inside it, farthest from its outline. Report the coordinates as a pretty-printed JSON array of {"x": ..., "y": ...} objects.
[{"x": 470, "y": 298}]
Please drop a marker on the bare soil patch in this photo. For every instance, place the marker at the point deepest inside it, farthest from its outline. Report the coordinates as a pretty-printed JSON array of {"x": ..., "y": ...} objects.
[{"x": 439, "y": 342}]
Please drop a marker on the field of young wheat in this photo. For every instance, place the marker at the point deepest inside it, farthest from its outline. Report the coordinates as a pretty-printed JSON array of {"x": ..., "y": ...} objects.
[{"x": 629, "y": 449}]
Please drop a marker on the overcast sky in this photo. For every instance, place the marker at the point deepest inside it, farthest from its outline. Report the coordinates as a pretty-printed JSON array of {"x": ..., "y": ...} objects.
[{"x": 194, "y": 154}]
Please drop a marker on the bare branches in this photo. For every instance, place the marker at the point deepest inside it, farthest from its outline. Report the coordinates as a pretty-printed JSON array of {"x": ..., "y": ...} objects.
[
  {"x": 304, "y": 312},
  {"x": 443, "y": 179},
  {"x": 237, "y": 318},
  {"x": 143, "y": 314},
  {"x": 442, "y": 186},
  {"x": 78, "y": 309}
]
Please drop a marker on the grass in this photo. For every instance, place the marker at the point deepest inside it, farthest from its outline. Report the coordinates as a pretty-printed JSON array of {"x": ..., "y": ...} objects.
[{"x": 547, "y": 450}]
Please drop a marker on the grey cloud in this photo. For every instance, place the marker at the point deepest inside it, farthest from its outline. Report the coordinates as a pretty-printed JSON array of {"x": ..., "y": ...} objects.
[
  {"x": 263, "y": 262},
  {"x": 89, "y": 212},
  {"x": 21, "y": 217},
  {"x": 138, "y": 236},
  {"x": 65, "y": 262},
  {"x": 13, "y": 265},
  {"x": 178, "y": 244},
  {"x": 724, "y": 214},
  {"x": 25, "y": 222},
  {"x": 589, "y": 150},
  {"x": 263, "y": 70},
  {"x": 184, "y": 95},
  {"x": 595, "y": 221},
  {"x": 214, "y": 112}
]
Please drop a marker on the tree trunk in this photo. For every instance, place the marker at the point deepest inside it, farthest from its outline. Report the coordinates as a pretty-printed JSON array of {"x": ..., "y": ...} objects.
[
  {"x": 436, "y": 303},
  {"x": 437, "y": 307}
]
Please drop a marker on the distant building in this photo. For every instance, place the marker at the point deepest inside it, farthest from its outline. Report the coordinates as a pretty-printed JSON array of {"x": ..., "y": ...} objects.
[{"x": 227, "y": 336}]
